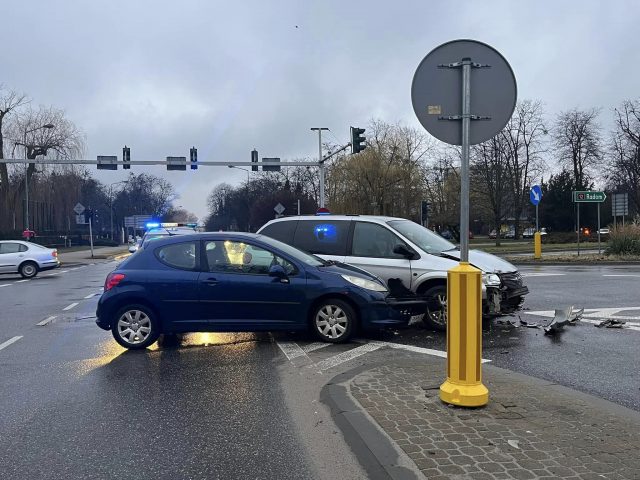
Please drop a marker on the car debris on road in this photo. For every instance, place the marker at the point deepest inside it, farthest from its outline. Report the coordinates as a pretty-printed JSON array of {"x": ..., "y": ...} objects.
[{"x": 611, "y": 323}]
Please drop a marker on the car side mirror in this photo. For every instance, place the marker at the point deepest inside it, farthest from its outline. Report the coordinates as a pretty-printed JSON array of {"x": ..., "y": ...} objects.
[
  {"x": 404, "y": 251},
  {"x": 278, "y": 272}
]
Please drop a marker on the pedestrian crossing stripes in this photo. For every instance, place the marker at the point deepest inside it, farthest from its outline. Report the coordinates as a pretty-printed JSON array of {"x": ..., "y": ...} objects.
[{"x": 320, "y": 356}]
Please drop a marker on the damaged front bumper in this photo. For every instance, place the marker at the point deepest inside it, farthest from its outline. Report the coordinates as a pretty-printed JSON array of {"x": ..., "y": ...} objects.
[{"x": 506, "y": 298}]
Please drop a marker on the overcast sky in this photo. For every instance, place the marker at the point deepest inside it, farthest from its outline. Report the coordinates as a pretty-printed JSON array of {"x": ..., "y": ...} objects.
[{"x": 161, "y": 76}]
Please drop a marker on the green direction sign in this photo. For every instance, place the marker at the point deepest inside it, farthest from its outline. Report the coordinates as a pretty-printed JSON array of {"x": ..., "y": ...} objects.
[{"x": 590, "y": 197}]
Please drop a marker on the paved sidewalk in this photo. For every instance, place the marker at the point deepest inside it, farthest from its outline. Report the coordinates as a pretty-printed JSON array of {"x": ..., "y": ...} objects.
[
  {"x": 100, "y": 254},
  {"x": 530, "y": 429}
]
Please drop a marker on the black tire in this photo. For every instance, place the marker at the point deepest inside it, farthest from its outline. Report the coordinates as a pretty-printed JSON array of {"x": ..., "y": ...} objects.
[
  {"x": 436, "y": 315},
  {"x": 135, "y": 338},
  {"x": 331, "y": 316},
  {"x": 28, "y": 269}
]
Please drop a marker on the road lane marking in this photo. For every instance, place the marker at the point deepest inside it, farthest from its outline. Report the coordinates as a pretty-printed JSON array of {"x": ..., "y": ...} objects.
[
  {"x": 69, "y": 307},
  {"x": 5, "y": 285},
  {"x": 424, "y": 351},
  {"x": 91, "y": 295},
  {"x": 20, "y": 281},
  {"x": 291, "y": 350},
  {"x": 621, "y": 275},
  {"x": 346, "y": 356},
  {"x": 312, "y": 347},
  {"x": 9, "y": 342},
  {"x": 46, "y": 321},
  {"x": 541, "y": 274}
]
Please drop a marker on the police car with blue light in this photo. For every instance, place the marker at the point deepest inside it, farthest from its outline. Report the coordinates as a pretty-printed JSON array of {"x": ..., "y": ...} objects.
[
  {"x": 406, "y": 256},
  {"x": 161, "y": 230}
]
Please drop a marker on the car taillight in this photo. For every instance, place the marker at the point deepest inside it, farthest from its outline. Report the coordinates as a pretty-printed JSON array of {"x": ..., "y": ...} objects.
[
  {"x": 54, "y": 254},
  {"x": 112, "y": 280}
]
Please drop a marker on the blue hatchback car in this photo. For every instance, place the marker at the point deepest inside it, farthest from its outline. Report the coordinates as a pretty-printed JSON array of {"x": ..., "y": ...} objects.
[{"x": 224, "y": 282}]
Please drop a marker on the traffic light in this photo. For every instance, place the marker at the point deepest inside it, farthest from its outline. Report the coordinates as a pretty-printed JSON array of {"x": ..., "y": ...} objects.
[
  {"x": 126, "y": 157},
  {"x": 88, "y": 215},
  {"x": 193, "y": 156},
  {"x": 424, "y": 211},
  {"x": 358, "y": 142},
  {"x": 254, "y": 159}
]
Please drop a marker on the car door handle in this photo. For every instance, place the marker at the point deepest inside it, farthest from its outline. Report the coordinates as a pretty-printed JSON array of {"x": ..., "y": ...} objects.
[{"x": 211, "y": 281}]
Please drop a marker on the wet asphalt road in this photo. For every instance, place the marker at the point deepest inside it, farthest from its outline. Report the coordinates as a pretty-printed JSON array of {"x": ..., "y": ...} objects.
[{"x": 76, "y": 405}]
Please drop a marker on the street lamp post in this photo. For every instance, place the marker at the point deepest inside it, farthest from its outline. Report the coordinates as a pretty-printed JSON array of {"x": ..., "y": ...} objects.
[
  {"x": 26, "y": 173},
  {"x": 248, "y": 179},
  {"x": 321, "y": 163}
]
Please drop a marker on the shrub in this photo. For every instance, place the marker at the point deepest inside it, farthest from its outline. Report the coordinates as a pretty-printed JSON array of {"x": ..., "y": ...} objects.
[
  {"x": 624, "y": 240},
  {"x": 559, "y": 237}
]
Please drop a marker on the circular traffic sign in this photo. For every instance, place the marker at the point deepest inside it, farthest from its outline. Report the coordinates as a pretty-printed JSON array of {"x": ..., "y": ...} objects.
[{"x": 436, "y": 91}]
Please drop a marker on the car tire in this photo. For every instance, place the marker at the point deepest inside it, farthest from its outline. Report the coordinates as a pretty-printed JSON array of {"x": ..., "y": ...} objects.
[
  {"x": 135, "y": 327},
  {"x": 28, "y": 269},
  {"x": 436, "y": 315},
  {"x": 333, "y": 320}
]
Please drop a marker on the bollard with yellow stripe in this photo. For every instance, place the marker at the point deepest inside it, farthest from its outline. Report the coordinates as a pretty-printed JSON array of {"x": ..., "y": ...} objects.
[
  {"x": 537, "y": 246},
  {"x": 463, "y": 386}
]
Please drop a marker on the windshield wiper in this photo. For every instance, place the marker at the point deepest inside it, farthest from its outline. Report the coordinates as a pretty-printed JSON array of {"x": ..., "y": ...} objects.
[{"x": 328, "y": 263}]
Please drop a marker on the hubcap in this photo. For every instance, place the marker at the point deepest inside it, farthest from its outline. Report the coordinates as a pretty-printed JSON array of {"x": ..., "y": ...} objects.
[
  {"x": 438, "y": 314},
  {"x": 331, "y": 321},
  {"x": 28, "y": 270},
  {"x": 134, "y": 327}
]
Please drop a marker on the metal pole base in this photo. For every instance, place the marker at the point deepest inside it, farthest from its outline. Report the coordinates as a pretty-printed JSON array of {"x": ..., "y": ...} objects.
[{"x": 463, "y": 386}]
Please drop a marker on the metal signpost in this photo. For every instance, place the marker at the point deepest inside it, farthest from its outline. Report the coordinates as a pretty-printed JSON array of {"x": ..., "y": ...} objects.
[
  {"x": 588, "y": 196},
  {"x": 442, "y": 99},
  {"x": 535, "y": 195}
]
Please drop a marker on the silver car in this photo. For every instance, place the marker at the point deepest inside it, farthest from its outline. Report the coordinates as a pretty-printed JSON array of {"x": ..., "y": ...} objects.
[
  {"x": 26, "y": 258},
  {"x": 403, "y": 254}
]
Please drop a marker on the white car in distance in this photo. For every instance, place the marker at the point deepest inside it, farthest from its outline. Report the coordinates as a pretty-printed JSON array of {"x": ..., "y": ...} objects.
[{"x": 26, "y": 258}]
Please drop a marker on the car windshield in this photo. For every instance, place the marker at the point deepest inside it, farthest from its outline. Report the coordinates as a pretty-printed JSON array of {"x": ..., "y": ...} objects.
[
  {"x": 304, "y": 257},
  {"x": 422, "y": 237}
]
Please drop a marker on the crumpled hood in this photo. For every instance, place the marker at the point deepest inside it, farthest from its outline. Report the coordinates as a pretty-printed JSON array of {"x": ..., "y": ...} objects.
[{"x": 484, "y": 261}]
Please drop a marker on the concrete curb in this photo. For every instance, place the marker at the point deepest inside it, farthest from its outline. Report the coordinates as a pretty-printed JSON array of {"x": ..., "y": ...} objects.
[{"x": 377, "y": 453}]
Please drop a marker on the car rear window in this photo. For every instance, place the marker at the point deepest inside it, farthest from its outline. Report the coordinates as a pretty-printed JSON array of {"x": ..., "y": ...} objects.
[
  {"x": 178, "y": 255},
  {"x": 282, "y": 231},
  {"x": 323, "y": 237}
]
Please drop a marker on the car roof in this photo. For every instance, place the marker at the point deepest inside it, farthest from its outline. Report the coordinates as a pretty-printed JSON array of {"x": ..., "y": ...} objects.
[
  {"x": 168, "y": 239},
  {"x": 374, "y": 218}
]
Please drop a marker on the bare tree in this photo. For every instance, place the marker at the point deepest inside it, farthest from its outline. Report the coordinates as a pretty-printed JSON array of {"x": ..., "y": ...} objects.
[
  {"x": 10, "y": 102},
  {"x": 523, "y": 142},
  {"x": 489, "y": 170},
  {"x": 387, "y": 178},
  {"x": 578, "y": 143},
  {"x": 624, "y": 171}
]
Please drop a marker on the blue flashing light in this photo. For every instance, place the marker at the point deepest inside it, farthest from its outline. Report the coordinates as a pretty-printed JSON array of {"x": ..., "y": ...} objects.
[
  {"x": 326, "y": 233},
  {"x": 153, "y": 225}
]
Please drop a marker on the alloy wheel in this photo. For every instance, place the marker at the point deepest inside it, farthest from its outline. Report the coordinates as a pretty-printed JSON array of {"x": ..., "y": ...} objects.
[
  {"x": 134, "y": 327},
  {"x": 331, "y": 321}
]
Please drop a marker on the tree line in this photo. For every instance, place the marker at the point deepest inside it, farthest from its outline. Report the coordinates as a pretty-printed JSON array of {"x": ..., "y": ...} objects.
[{"x": 45, "y": 132}]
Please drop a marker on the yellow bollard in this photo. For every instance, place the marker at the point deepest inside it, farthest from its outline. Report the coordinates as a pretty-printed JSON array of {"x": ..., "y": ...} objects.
[
  {"x": 537, "y": 246},
  {"x": 463, "y": 386}
]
